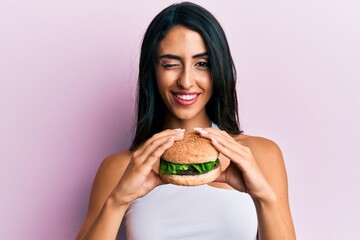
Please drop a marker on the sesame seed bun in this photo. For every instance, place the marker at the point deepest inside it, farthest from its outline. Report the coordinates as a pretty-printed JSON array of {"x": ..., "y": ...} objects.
[{"x": 192, "y": 149}]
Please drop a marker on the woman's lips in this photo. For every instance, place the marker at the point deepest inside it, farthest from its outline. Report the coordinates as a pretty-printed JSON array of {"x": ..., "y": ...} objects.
[{"x": 186, "y": 99}]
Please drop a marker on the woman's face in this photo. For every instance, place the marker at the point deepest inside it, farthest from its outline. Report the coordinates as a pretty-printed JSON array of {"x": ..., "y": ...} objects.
[{"x": 183, "y": 73}]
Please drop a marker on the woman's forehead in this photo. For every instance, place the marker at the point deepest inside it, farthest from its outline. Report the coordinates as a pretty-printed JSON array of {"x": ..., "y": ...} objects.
[{"x": 182, "y": 41}]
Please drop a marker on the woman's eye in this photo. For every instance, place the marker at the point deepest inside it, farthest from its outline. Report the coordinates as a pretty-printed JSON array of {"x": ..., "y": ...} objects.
[
  {"x": 170, "y": 65},
  {"x": 203, "y": 64}
]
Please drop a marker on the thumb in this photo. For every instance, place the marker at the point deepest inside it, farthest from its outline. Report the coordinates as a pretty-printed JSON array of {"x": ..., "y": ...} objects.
[
  {"x": 222, "y": 177},
  {"x": 157, "y": 179}
]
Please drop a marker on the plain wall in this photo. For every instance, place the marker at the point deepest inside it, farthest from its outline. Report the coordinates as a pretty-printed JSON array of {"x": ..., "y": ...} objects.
[{"x": 67, "y": 89}]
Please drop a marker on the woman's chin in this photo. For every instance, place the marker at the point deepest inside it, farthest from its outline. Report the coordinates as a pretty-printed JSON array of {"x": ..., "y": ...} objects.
[{"x": 186, "y": 115}]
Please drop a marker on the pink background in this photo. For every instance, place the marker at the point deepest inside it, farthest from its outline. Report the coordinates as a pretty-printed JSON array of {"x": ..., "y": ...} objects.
[{"x": 67, "y": 86}]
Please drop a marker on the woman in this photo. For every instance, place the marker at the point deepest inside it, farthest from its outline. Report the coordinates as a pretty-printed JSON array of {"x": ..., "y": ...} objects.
[{"x": 187, "y": 82}]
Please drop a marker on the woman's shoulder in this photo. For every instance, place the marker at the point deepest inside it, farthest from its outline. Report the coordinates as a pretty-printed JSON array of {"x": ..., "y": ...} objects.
[
  {"x": 263, "y": 149},
  {"x": 255, "y": 141},
  {"x": 108, "y": 175},
  {"x": 115, "y": 164},
  {"x": 109, "y": 172}
]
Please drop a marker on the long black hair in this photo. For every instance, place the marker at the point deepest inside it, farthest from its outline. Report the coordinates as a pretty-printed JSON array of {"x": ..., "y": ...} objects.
[{"x": 222, "y": 107}]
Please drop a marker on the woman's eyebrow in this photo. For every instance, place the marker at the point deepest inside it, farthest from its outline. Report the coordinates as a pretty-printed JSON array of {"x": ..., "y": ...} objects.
[
  {"x": 200, "y": 55},
  {"x": 172, "y": 56}
]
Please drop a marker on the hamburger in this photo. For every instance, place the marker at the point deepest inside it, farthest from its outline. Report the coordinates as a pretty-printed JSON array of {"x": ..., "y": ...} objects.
[{"x": 189, "y": 162}]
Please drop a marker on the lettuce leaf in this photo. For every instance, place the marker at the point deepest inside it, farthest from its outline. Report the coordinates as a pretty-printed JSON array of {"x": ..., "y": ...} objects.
[{"x": 174, "y": 168}]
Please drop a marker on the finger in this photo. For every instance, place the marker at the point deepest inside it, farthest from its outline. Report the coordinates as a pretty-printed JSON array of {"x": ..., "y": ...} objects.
[
  {"x": 150, "y": 148},
  {"x": 236, "y": 153},
  {"x": 222, "y": 138},
  {"x": 232, "y": 176},
  {"x": 152, "y": 182},
  {"x": 230, "y": 144},
  {"x": 166, "y": 133},
  {"x": 154, "y": 153},
  {"x": 226, "y": 145},
  {"x": 158, "y": 179},
  {"x": 219, "y": 132},
  {"x": 212, "y": 132},
  {"x": 221, "y": 178},
  {"x": 157, "y": 147}
]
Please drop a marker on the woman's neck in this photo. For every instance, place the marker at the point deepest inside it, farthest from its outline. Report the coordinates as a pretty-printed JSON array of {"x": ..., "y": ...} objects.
[{"x": 188, "y": 124}]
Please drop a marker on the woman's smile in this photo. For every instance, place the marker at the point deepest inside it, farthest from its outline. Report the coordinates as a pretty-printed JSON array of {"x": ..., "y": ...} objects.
[{"x": 184, "y": 98}]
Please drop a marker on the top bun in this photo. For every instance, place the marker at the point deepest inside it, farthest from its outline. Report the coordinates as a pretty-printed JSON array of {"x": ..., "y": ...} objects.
[{"x": 191, "y": 149}]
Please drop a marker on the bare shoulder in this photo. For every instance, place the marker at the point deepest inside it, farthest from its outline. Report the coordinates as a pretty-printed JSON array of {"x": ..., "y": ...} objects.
[
  {"x": 113, "y": 166},
  {"x": 263, "y": 149},
  {"x": 255, "y": 142},
  {"x": 109, "y": 173}
]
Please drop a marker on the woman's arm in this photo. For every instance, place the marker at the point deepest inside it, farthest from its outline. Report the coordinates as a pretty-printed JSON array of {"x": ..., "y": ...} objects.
[
  {"x": 257, "y": 167},
  {"x": 121, "y": 179},
  {"x": 273, "y": 210}
]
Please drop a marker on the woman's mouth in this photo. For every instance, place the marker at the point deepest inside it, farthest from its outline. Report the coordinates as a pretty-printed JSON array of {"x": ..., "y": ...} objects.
[{"x": 186, "y": 99}]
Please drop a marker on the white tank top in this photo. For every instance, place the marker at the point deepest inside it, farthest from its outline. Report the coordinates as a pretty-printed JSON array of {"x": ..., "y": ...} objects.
[{"x": 172, "y": 212}]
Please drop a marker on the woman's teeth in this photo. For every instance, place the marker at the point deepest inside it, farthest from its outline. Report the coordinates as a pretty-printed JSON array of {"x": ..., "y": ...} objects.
[{"x": 186, "y": 97}]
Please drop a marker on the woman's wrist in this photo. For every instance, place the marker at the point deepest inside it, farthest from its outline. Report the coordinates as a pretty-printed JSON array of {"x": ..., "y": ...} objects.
[
  {"x": 115, "y": 203},
  {"x": 267, "y": 199}
]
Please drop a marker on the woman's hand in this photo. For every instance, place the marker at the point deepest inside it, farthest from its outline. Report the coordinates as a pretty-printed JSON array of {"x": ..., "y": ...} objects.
[
  {"x": 264, "y": 179},
  {"x": 243, "y": 172},
  {"x": 139, "y": 177}
]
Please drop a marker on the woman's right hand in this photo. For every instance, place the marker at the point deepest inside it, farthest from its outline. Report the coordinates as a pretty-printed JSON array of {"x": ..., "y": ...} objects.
[{"x": 139, "y": 177}]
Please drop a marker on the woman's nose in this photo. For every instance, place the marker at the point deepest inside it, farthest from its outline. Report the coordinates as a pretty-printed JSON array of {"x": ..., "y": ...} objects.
[{"x": 186, "y": 79}]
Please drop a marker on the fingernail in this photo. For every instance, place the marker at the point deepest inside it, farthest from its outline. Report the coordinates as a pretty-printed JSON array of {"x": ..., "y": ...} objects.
[
  {"x": 200, "y": 130},
  {"x": 170, "y": 139},
  {"x": 180, "y": 129},
  {"x": 214, "y": 140},
  {"x": 203, "y": 131}
]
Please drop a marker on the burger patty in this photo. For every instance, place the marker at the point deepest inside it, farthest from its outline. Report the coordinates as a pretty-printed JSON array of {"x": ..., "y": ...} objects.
[{"x": 190, "y": 171}]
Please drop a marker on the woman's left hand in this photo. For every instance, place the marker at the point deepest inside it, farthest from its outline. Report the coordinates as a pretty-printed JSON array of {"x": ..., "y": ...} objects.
[
  {"x": 243, "y": 173},
  {"x": 259, "y": 171}
]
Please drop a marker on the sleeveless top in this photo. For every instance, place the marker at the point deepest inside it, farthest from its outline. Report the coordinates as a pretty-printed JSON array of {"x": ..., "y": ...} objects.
[{"x": 171, "y": 212}]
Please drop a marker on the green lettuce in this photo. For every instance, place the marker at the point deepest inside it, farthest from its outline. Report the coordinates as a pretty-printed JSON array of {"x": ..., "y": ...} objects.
[{"x": 174, "y": 168}]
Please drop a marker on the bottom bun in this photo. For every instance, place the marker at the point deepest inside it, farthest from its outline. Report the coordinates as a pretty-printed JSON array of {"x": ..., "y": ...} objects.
[{"x": 191, "y": 180}]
